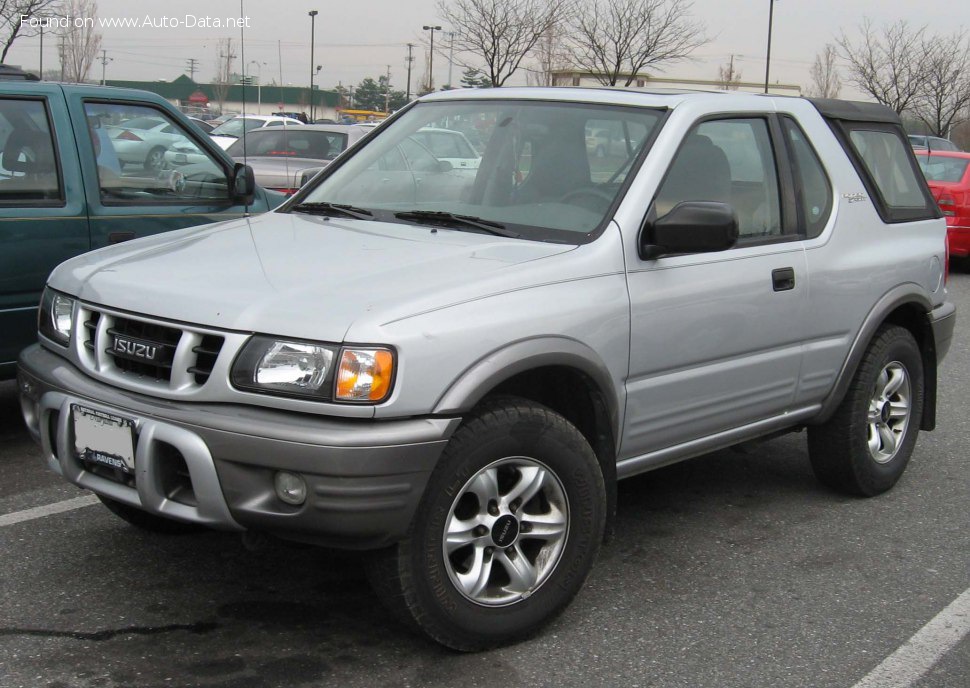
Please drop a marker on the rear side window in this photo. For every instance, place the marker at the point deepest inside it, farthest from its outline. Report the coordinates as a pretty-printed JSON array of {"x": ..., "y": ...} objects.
[
  {"x": 28, "y": 162},
  {"x": 813, "y": 190},
  {"x": 886, "y": 162}
]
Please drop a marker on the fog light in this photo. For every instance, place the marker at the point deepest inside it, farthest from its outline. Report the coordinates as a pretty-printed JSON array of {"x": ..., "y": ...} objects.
[{"x": 290, "y": 487}]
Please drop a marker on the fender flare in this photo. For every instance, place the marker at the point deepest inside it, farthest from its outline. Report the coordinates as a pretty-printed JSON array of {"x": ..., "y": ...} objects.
[
  {"x": 521, "y": 356},
  {"x": 895, "y": 298}
]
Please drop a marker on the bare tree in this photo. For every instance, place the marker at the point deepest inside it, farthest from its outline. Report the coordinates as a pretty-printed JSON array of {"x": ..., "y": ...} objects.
[
  {"x": 81, "y": 42},
  {"x": 550, "y": 55},
  {"x": 890, "y": 66},
  {"x": 11, "y": 14},
  {"x": 729, "y": 76},
  {"x": 826, "y": 82},
  {"x": 615, "y": 39},
  {"x": 223, "y": 79},
  {"x": 498, "y": 33},
  {"x": 944, "y": 99}
]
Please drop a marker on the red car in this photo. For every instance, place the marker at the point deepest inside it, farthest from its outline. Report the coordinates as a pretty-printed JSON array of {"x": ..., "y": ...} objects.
[{"x": 948, "y": 174}]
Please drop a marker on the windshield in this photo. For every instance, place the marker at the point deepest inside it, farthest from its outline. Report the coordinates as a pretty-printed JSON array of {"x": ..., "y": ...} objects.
[
  {"x": 941, "y": 168},
  {"x": 287, "y": 142},
  {"x": 235, "y": 127},
  {"x": 547, "y": 170}
]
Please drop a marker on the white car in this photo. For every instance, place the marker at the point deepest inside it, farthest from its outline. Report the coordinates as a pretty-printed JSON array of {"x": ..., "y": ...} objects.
[
  {"x": 449, "y": 145},
  {"x": 143, "y": 141},
  {"x": 227, "y": 133}
]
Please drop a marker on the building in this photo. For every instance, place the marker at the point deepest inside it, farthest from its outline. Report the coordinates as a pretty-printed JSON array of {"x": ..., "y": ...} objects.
[
  {"x": 259, "y": 100},
  {"x": 572, "y": 77}
]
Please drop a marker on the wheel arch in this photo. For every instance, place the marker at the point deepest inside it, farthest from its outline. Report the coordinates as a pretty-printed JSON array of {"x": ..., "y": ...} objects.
[
  {"x": 563, "y": 374},
  {"x": 905, "y": 308}
]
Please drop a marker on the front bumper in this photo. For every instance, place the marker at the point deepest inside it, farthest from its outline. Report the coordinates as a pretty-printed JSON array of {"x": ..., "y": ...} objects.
[{"x": 214, "y": 464}]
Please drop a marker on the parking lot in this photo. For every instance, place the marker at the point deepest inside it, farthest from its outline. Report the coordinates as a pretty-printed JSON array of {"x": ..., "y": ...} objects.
[{"x": 734, "y": 569}]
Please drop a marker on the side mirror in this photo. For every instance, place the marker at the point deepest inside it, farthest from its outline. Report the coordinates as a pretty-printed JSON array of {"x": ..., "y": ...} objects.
[
  {"x": 691, "y": 227},
  {"x": 243, "y": 184}
]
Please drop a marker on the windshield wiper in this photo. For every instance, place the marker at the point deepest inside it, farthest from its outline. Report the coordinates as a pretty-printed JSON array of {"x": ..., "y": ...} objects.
[
  {"x": 330, "y": 208},
  {"x": 441, "y": 217}
]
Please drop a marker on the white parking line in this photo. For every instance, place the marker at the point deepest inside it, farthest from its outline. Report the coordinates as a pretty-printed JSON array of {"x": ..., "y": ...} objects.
[
  {"x": 47, "y": 510},
  {"x": 918, "y": 655}
]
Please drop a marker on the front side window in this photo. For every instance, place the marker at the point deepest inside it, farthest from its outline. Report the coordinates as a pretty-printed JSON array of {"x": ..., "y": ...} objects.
[
  {"x": 727, "y": 161},
  {"x": 28, "y": 164},
  {"x": 145, "y": 157},
  {"x": 526, "y": 166}
]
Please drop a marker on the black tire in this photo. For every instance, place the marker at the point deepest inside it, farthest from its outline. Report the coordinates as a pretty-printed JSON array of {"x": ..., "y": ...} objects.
[
  {"x": 840, "y": 450},
  {"x": 150, "y": 522},
  {"x": 418, "y": 581},
  {"x": 155, "y": 160}
]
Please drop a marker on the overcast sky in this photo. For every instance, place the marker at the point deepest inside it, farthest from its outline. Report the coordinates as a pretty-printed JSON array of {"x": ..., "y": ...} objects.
[{"x": 360, "y": 38}]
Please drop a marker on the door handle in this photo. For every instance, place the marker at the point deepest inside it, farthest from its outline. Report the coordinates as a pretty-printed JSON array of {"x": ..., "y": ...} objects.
[
  {"x": 118, "y": 237},
  {"x": 783, "y": 279}
]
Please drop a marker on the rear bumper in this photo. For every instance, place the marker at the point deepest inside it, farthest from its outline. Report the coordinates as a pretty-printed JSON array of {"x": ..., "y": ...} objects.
[
  {"x": 958, "y": 240},
  {"x": 364, "y": 478}
]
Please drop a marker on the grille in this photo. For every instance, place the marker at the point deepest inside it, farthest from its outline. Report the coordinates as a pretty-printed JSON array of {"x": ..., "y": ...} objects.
[
  {"x": 166, "y": 338},
  {"x": 181, "y": 357}
]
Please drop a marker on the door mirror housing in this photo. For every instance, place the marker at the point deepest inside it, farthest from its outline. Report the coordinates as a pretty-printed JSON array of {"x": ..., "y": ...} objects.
[
  {"x": 690, "y": 227},
  {"x": 243, "y": 184}
]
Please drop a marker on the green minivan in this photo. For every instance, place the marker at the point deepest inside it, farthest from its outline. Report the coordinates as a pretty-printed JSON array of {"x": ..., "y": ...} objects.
[{"x": 82, "y": 167}]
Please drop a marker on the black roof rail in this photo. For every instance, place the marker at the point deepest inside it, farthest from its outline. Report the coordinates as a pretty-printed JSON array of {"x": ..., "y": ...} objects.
[{"x": 854, "y": 111}]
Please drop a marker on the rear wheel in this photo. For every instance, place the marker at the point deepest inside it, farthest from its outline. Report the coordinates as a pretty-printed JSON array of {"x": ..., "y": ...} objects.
[
  {"x": 155, "y": 159},
  {"x": 865, "y": 447},
  {"x": 508, "y": 529},
  {"x": 150, "y": 522}
]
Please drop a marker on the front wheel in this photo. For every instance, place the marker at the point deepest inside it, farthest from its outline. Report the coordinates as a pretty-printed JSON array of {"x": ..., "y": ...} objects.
[
  {"x": 507, "y": 531},
  {"x": 865, "y": 447}
]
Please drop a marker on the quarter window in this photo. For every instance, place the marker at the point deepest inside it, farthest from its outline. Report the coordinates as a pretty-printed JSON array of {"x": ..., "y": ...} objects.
[
  {"x": 28, "y": 164},
  {"x": 814, "y": 193},
  {"x": 887, "y": 162}
]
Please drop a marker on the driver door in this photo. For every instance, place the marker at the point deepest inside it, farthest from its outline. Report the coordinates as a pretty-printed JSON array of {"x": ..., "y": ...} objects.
[{"x": 129, "y": 200}]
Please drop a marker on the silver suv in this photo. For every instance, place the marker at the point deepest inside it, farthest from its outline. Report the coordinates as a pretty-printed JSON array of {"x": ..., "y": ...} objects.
[{"x": 452, "y": 368}]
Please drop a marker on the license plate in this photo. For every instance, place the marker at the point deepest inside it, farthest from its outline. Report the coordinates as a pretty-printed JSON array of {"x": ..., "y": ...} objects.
[{"x": 104, "y": 438}]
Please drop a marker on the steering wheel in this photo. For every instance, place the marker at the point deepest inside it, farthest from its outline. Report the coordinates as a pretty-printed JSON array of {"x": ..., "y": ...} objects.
[{"x": 589, "y": 197}]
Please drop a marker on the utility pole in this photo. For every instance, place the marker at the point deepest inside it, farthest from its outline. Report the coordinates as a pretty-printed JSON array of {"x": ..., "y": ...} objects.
[
  {"x": 387, "y": 91},
  {"x": 192, "y": 67},
  {"x": 42, "y": 51},
  {"x": 410, "y": 60},
  {"x": 313, "y": 22},
  {"x": 104, "y": 59},
  {"x": 451, "y": 56},
  {"x": 62, "y": 54}
]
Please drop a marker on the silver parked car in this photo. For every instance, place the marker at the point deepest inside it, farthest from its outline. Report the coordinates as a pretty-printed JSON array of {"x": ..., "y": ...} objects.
[
  {"x": 453, "y": 370},
  {"x": 280, "y": 156}
]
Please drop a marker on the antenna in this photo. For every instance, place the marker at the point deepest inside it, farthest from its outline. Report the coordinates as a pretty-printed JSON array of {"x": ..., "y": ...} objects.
[{"x": 242, "y": 52}]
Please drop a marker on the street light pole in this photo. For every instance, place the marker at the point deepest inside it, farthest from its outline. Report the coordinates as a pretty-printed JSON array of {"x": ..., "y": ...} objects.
[
  {"x": 451, "y": 57},
  {"x": 432, "y": 29},
  {"x": 771, "y": 16},
  {"x": 259, "y": 86},
  {"x": 313, "y": 25}
]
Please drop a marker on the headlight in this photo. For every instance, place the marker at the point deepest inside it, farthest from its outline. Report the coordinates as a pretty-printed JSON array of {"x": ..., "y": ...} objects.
[
  {"x": 312, "y": 369},
  {"x": 285, "y": 367},
  {"x": 55, "y": 320}
]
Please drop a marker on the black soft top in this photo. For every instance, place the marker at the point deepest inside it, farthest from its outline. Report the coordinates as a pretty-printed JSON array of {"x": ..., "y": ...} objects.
[{"x": 854, "y": 111}]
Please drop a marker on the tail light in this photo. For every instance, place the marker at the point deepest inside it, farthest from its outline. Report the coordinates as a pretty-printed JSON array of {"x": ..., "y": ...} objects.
[
  {"x": 127, "y": 135},
  {"x": 288, "y": 192},
  {"x": 947, "y": 204}
]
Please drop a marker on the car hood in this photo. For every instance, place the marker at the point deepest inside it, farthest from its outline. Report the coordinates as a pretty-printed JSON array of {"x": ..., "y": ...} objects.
[{"x": 300, "y": 276}]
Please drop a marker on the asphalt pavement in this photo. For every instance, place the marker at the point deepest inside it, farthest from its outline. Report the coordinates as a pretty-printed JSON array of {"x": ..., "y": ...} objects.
[{"x": 730, "y": 570}]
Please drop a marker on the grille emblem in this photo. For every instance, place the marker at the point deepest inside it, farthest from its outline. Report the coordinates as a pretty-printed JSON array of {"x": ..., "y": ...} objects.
[{"x": 134, "y": 349}]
